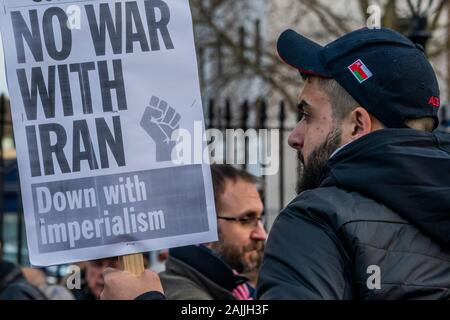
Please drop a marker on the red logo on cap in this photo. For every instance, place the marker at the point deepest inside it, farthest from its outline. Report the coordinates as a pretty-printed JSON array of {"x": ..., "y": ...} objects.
[{"x": 435, "y": 102}]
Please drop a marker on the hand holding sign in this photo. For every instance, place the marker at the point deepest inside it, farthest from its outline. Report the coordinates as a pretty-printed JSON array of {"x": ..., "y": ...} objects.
[
  {"x": 120, "y": 285},
  {"x": 160, "y": 121}
]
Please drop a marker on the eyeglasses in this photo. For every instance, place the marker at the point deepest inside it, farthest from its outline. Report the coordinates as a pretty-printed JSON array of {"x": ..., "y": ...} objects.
[{"x": 251, "y": 221}]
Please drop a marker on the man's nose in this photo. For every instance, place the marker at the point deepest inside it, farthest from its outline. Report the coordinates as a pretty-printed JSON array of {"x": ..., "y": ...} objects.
[
  {"x": 296, "y": 139},
  {"x": 259, "y": 233}
]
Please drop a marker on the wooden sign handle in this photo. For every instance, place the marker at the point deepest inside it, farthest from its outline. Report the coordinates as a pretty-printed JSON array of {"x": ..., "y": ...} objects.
[{"x": 133, "y": 263}]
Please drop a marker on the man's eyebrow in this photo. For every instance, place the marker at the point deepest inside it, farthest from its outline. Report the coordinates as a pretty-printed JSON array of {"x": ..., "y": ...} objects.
[{"x": 247, "y": 213}]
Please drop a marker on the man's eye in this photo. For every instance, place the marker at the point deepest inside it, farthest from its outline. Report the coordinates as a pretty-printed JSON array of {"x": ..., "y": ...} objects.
[
  {"x": 246, "y": 220},
  {"x": 302, "y": 115}
]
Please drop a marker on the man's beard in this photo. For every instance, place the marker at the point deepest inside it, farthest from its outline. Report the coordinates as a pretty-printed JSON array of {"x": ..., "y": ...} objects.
[
  {"x": 241, "y": 259},
  {"x": 311, "y": 176}
]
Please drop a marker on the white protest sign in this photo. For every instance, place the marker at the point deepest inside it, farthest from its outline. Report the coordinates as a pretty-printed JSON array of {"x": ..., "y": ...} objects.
[{"x": 97, "y": 89}]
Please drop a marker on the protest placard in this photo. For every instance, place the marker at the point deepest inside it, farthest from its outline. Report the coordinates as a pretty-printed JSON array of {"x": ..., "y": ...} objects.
[{"x": 98, "y": 89}]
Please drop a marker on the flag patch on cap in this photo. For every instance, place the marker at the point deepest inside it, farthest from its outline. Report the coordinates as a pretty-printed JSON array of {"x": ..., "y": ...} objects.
[{"x": 360, "y": 71}]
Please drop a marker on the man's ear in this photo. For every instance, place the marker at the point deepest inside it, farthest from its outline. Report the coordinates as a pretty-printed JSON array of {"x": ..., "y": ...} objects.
[{"x": 360, "y": 123}]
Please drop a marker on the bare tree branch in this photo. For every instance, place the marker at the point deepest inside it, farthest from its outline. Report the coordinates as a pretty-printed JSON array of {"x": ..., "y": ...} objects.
[
  {"x": 242, "y": 59},
  {"x": 437, "y": 15}
]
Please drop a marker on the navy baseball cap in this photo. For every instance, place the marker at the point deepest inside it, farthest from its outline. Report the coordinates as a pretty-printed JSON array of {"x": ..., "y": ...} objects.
[{"x": 382, "y": 70}]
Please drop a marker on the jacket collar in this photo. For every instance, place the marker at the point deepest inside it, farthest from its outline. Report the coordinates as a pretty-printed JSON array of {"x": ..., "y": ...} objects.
[{"x": 206, "y": 263}]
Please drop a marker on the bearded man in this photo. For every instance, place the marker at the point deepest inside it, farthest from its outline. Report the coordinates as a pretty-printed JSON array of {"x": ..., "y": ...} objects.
[
  {"x": 372, "y": 217},
  {"x": 227, "y": 269}
]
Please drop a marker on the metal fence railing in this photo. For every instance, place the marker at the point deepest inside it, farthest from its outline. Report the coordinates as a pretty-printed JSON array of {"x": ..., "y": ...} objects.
[{"x": 277, "y": 190}]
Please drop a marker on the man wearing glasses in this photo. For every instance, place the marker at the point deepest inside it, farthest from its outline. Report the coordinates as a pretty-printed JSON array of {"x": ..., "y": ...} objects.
[{"x": 224, "y": 270}]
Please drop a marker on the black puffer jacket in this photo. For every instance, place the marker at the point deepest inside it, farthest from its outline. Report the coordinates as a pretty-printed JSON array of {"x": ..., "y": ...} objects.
[
  {"x": 377, "y": 228},
  {"x": 13, "y": 285}
]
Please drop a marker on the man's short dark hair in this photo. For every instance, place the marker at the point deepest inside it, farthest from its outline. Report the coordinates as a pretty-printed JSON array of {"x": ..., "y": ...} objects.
[
  {"x": 223, "y": 172},
  {"x": 342, "y": 104}
]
